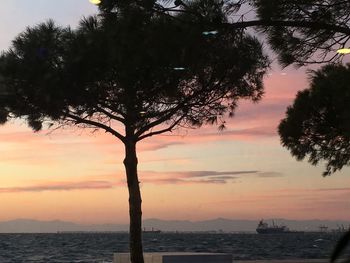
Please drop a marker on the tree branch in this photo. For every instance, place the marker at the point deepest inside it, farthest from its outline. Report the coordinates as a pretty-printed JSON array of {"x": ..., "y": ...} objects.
[
  {"x": 158, "y": 121},
  {"x": 110, "y": 115},
  {"x": 197, "y": 94},
  {"x": 303, "y": 24},
  {"x": 169, "y": 129},
  {"x": 78, "y": 120}
]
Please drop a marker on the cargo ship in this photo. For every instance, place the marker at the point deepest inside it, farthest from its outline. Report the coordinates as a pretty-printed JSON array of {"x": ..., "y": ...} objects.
[{"x": 264, "y": 228}]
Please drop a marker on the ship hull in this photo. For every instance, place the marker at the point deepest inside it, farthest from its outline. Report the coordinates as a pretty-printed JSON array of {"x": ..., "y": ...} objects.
[
  {"x": 272, "y": 231},
  {"x": 277, "y": 231}
]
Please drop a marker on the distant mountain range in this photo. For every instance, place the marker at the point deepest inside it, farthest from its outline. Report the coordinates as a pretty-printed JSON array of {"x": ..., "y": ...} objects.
[{"x": 219, "y": 224}]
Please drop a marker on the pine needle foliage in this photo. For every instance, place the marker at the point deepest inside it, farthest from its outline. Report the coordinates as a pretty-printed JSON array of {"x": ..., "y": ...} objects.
[
  {"x": 317, "y": 126},
  {"x": 305, "y": 31}
]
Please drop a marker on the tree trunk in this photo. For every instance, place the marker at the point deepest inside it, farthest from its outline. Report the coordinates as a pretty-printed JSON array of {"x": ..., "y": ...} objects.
[{"x": 135, "y": 213}]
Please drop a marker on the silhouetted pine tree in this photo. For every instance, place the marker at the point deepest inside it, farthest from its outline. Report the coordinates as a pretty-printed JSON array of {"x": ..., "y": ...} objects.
[
  {"x": 134, "y": 74},
  {"x": 317, "y": 126}
]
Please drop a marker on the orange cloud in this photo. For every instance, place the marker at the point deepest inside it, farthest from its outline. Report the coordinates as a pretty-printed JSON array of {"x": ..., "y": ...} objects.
[
  {"x": 60, "y": 186},
  {"x": 146, "y": 177},
  {"x": 188, "y": 177},
  {"x": 200, "y": 177}
]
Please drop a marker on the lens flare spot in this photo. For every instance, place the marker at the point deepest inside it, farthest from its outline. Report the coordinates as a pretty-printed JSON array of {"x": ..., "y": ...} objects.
[
  {"x": 344, "y": 51},
  {"x": 95, "y": 2}
]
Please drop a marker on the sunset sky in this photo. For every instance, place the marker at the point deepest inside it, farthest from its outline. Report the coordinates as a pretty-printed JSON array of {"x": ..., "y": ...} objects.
[{"x": 241, "y": 173}]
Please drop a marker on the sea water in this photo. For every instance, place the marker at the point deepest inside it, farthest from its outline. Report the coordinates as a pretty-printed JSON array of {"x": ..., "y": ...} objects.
[{"x": 99, "y": 247}]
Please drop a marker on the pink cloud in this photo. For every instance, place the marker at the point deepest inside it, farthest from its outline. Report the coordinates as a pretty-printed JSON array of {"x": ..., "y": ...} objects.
[
  {"x": 59, "y": 186},
  {"x": 180, "y": 177},
  {"x": 188, "y": 177},
  {"x": 160, "y": 181},
  {"x": 200, "y": 177}
]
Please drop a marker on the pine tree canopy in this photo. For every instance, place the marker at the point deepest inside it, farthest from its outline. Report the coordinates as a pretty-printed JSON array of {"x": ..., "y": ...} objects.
[
  {"x": 133, "y": 67},
  {"x": 317, "y": 126}
]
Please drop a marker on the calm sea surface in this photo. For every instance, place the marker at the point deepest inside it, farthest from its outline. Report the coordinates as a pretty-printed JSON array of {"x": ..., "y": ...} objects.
[{"x": 100, "y": 247}]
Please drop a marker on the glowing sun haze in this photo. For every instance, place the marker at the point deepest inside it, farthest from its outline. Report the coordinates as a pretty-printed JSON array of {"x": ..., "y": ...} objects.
[{"x": 241, "y": 173}]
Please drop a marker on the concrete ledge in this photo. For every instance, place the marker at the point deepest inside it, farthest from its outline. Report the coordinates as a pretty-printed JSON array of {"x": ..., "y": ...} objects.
[
  {"x": 285, "y": 261},
  {"x": 177, "y": 257}
]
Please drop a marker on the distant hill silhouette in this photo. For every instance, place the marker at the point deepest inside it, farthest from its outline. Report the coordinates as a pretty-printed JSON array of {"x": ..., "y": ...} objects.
[
  {"x": 36, "y": 226},
  {"x": 219, "y": 224}
]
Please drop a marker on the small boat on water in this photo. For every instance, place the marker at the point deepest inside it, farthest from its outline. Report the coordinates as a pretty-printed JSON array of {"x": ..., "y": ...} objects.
[
  {"x": 151, "y": 231},
  {"x": 265, "y": 228}
]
